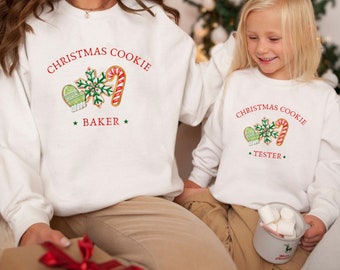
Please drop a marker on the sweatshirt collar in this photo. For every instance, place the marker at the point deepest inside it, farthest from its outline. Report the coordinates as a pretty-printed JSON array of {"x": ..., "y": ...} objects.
[
  {"x": 67, "y": 9},
  {"x": 273, "y": 82}
]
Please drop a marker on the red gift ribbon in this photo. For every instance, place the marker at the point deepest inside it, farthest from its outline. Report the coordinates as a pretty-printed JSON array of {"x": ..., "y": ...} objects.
[{"x": 57, "y": 258}]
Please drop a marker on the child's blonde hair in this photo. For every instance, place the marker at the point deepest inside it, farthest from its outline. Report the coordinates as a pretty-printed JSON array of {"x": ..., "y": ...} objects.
[{"x": 299, "y": 36}]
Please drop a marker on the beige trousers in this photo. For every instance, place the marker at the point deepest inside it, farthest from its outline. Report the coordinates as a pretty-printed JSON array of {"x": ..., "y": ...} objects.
[
  {"x": 235, "y": 227},
  {"x": 152, "y": 232}
]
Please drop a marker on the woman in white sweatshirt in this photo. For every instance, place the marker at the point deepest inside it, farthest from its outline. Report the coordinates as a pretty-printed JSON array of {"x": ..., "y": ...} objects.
[{"x": 92, "y": 92}]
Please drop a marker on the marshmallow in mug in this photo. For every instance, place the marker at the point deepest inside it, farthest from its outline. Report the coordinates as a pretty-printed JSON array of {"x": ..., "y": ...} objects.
[{"x": 282, "y": 222}]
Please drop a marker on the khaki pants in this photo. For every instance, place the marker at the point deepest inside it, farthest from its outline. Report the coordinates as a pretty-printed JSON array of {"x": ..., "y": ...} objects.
[
  {"x": 235, "y": 227},
  {"x": 152, "y": 232}
]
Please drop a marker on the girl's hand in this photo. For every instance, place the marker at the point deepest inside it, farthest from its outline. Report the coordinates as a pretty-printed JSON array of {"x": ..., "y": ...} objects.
[
  {"x": 189, "y": 189},
  {"x": 40, "y": 232},
  {"x": 314, "y": 234}
]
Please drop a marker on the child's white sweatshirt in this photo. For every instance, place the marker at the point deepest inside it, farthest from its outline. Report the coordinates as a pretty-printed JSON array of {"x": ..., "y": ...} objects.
[{"x": 273, "y": 141}]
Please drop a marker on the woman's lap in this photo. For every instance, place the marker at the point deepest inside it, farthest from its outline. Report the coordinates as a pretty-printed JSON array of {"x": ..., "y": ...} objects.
[{"x": 153, "y": 232}]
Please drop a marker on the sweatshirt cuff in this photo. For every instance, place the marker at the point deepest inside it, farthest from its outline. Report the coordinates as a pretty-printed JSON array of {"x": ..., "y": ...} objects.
[
  {"x": 200, "y": 177},
  {"x": 25, "y": 218},
  {"x": 324, "y": 204},
  {"x": 327, "y": 218}
]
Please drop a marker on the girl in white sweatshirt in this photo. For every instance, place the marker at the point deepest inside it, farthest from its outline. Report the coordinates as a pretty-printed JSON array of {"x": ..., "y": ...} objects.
[{"x": 273, "y": 135}]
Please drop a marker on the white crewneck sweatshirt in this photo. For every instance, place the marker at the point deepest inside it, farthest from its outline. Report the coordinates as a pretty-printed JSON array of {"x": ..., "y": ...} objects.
[
  {"x": 272, "y": 140},
  {"x": 89, "y": 117}
]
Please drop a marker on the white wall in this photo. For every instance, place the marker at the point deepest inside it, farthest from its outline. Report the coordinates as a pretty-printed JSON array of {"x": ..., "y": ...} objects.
[{"x": 328, "y": 24}]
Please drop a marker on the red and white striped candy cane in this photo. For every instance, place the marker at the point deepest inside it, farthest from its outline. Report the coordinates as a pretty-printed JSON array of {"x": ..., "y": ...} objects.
[
  {"x": 111, "y": 73},
  {"x": 284, "y": 123}
]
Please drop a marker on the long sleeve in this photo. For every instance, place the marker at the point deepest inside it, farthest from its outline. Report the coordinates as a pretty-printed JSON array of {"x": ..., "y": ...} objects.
[
  {"x": 209, "y": 76},
  {"x": 207, "y": 155},
  {"x": 21, "y": 200},
  {"x": 324, "y": 193}
]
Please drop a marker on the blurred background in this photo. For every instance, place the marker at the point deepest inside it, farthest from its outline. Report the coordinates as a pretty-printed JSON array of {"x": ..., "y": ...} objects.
[
  {"x": 328, "y": 24},
  {"x": 210, "y": 21}
]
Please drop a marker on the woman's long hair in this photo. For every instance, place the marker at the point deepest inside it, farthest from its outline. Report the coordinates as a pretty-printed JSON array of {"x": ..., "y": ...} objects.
[{"x": 13, "y": 25}]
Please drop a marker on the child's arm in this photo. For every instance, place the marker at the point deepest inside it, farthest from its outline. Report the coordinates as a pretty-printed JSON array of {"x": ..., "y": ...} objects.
[
  {"x": 324, "y": 192},
  {"x": 206, "y": 156}
]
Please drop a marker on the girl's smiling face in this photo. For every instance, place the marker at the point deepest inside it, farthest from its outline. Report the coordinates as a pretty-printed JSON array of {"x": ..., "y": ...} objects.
[{"x": 265, "y": 44}]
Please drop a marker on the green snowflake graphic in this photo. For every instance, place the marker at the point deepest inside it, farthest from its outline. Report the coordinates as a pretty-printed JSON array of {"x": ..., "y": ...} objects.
[
  {"x": 266, "y": 130},
  {"x": 94, "y": 87}
]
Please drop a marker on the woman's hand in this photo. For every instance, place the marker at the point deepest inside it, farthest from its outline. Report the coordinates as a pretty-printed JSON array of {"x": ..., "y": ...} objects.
[
  {"x": 40, "y": 232},
  {"x": 314, "y": 234}
]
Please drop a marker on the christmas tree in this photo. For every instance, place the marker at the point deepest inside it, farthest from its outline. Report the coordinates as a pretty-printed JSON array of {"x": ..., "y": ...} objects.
[{"x": 218, "y": 18}]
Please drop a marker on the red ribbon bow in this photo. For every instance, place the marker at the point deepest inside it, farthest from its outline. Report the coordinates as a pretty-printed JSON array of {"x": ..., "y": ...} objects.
[{"x": 57, "y": 258}]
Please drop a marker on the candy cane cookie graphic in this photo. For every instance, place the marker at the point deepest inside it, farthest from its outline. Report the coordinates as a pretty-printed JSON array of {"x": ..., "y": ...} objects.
[
  {"x": 118, "y": 73},
  {"x": 284, "y": 124}
]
